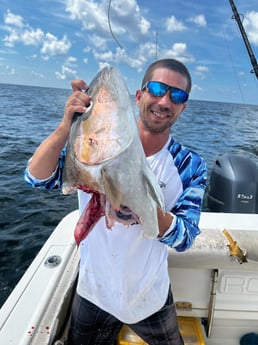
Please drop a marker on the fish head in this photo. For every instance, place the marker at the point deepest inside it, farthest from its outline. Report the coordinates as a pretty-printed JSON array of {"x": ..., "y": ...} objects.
[{"x": 103, "y": 132}]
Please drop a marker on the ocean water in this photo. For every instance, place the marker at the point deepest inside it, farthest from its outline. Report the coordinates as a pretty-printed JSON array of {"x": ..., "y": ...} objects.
[{"x": 29, "y": 114}]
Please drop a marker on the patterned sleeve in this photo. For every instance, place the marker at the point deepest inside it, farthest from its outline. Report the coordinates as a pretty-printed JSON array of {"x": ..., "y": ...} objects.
[
  {"x": 52, "y": 182},
  {"x": 193, "y": 173}
]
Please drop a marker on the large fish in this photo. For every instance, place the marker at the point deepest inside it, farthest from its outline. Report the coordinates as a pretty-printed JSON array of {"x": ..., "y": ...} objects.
[{"x": 105, "y": 157}]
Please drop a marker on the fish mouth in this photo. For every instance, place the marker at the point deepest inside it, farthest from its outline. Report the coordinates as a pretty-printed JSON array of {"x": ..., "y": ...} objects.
[
  {"x": 88, "y": 108},
  {"x": 99, "y": 151},
  {"x": 80, "y": 164}
]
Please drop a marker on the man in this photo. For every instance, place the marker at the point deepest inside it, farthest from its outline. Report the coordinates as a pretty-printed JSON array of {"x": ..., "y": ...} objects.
[{"x": 123, "y": 276}]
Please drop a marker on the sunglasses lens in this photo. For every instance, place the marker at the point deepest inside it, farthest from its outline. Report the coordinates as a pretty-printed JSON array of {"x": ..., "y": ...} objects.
[
  {"x": 157, "y": 89},
  {"x": 178, "y": 95}
]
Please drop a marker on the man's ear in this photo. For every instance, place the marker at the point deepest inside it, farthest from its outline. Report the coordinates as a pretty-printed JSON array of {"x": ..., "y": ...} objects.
[{"x": 138, "y": 96}]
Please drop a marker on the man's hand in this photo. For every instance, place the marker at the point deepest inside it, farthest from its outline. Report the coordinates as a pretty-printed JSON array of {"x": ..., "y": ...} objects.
[
  {"x": 76, "y": 103},
  {"x": 165, "y": 220}
]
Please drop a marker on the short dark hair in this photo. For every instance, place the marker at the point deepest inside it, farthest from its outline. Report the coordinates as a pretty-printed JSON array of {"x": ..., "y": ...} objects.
[{"x": 173, "y": 65}]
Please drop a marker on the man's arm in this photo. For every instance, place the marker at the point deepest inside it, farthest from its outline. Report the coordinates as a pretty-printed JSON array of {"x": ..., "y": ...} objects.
[
  {"x": 45, "y": 159},
  {"x": 185, "y": 216}
]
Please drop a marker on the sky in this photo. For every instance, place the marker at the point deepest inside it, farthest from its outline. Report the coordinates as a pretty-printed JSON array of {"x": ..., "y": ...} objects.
[{"x": 51, "y": 42}]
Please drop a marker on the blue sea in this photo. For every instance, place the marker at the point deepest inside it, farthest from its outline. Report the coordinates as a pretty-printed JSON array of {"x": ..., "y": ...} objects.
[{"x": 28, "y": 114}]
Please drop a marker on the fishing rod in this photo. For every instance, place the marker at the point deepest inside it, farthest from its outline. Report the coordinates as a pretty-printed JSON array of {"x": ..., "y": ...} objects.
[{"x": 236, "y": 16}]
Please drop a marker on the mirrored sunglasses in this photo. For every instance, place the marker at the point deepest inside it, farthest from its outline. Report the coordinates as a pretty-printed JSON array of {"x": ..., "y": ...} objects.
[{"x": 158, "y": 89}]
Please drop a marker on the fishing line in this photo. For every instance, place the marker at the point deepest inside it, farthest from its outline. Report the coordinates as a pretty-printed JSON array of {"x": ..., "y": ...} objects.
[
  {"x": 234, "y": 67},
  {"x": 110, "y": 28}
]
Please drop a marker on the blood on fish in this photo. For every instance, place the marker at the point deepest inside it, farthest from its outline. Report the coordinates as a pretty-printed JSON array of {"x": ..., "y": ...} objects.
[{"x": 90, "y": 216}]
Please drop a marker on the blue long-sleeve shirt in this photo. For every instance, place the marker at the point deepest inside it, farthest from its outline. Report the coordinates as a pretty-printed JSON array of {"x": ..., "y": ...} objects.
[{"x": 184, "y": 173}]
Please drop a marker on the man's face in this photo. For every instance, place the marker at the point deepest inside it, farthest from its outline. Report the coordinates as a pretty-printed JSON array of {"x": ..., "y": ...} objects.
[{"x": 158, "y": 114}]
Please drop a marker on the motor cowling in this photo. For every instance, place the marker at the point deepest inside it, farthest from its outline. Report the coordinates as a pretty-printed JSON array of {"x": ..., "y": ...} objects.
[{"x": 233, "y": 185}]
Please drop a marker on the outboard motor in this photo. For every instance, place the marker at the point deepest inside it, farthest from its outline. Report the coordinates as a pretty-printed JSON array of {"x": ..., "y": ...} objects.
[{"x": 233, "y": 185}]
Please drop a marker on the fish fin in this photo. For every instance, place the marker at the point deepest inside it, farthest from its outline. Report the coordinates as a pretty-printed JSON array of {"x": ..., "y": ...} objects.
[
  {"x": 153, "y": 189},
  {"x": 112, "y": 192}
]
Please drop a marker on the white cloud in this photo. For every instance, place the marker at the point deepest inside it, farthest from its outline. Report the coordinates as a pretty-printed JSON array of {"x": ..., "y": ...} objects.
[
  {"x": 52, "y": 46},
  {"x": 90, "y": 13},
  {"x": 108, "y": 55},
  {"x": 32, "y": 37},
  {"x": 201, "y": 71},
  {"x": 178, "y": 51},
  {"x": 196, "y": 87},
  {"x": 11, "y": 39},
  {"x": 120, "y": 56},
  {"x": 251, "y": 25},
  {"x": 134, "y": 61},
  {"x": 68, "y": 70},
  {"x": 12, "y": 19},
  {"x": 172, "y": 24},
  {"x": 198, "y": 20},
  {"x": 146, "y": 51},
  {"x": 71, "y": 60},
  {"x": 18, "y": 32},
  {"x": 37, "y": 75},
  {"x": 142, "y": 55},
  {"x": 10, "y": 70},
  {"x": 125, "y": 19},
  {"x": 127, "y": 15},
  {"x": 98, "y": 42}
]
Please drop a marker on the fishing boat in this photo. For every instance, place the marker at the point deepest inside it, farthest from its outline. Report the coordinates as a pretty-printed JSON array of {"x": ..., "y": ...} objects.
[{"x": 215, "y": 283}]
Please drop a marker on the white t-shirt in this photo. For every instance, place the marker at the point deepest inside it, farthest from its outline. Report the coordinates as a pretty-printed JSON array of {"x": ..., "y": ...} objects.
[{"x": 121, "y": 271}]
